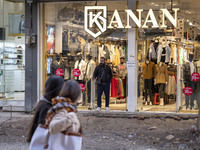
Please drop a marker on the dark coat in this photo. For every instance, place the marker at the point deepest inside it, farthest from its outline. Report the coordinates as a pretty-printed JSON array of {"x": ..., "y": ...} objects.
[
  {"x": 104, "y": 73},
  {"x": 39, "y": 117}
]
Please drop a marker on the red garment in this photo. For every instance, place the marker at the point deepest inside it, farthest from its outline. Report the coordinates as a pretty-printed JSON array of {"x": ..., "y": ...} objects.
[
  {"x": 119, "y": 87},
  {"x": 175, "y": 77},
  {"x": 114, "y": 88}
]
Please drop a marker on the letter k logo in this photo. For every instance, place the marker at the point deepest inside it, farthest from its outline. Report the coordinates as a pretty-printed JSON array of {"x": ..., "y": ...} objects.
[{"x": 95, "y": 21}]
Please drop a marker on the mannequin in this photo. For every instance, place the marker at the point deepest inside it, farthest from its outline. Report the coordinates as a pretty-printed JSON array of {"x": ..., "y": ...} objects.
[
  {"x": 57, "y": 63},
  {"x": 122, "y": 73},
  {"x": 122, "y": 69},
  {"x": 69, "y": 64},
  {"x": 153, "y": 50},
  {"x": 161, "y": 77},
  {"x": 148, "y": 68},
  {"x": 188, "y": 68},
  {"x": 81, "y": 65},
  {"x": 90, "y": 67}
]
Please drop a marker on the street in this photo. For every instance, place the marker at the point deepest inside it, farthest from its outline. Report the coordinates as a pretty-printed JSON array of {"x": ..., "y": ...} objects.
[{"x": 103, "y": 133}]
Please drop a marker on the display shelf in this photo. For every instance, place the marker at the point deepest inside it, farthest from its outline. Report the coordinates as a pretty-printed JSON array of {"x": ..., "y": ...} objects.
[{"x": 11, "y": 68}]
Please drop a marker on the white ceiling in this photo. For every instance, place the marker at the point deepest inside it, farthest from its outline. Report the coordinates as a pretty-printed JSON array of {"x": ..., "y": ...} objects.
[{"x": 189, "y": 9}]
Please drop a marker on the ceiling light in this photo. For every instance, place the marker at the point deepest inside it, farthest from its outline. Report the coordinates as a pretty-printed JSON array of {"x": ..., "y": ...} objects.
[
  {"x": 188, "y": 20},
  {"x": 152, "y": 3},
  {"x": 191, "y": 24},
  {"x": 174, "y": 4},
  {"x": 156, "y": 5}
]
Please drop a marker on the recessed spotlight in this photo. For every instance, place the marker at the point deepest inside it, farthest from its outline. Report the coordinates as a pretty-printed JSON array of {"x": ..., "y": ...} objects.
[
  {"x": 174, "y": 4},
  {"x": 191, "y": 24},
  {"x": 156, "y": 5},
  {"x": 152, "y": 3}
]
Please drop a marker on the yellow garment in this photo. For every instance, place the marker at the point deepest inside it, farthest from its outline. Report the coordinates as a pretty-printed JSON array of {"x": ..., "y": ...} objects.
[{"x": 117, "y": 58}]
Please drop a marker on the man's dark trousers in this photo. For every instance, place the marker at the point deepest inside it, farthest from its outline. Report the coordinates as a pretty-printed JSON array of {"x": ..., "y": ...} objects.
[{"x": 104, "y": 87}]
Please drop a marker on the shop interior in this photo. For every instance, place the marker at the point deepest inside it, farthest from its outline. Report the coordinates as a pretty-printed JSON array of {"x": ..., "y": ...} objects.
[
  {"x": 69, "y": 47},
  {"x": 163, "y": 55},
  {"x": 167, "y": 57}
]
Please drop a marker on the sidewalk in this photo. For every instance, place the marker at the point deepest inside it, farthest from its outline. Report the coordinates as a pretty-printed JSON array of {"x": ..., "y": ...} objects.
[{"x": 118, "y": 114}]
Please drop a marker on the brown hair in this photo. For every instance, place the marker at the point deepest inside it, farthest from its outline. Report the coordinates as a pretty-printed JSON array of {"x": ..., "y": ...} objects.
[{"x": 71, "y": 89}]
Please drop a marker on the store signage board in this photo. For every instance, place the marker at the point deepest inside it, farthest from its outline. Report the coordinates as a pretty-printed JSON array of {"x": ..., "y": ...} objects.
[
  {"x": 82, "y": 86},
  {"x": 130, "y": 65},
  {"x": 188, "y": 91},
  {"x": 96, "y": 16},
  {"x": 76, "y": 72},
  {"x": 59, "y": 72},
  {"x": 195, "y": 77}
]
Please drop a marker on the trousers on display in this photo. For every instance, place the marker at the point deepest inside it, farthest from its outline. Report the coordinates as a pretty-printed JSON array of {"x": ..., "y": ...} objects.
[
  {"x": 148, "y": 85},
  {"x": 161, "y": 89},
  {"x": 189, "y": 100},
  {"x": 104, "y": 87}
]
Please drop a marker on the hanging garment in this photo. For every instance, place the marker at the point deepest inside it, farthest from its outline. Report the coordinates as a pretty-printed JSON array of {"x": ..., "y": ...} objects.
[
  {"x": 124, "y": 48},
  {"x": 153, "y": 51},
  {"x": 122, "y": 88},
  {"x": 122, "y": 52},
  {"x": 86, "y": 48},
  {"x": 112, "y": 53},
  {"x": 117, "y": 58},
  {"x": 167, "y": 53},
  {"x": 181, "y": 55},
  {"x": 82, "y": 67},
  {"x": 93, "y": 50},
  {"x": 90, "y": 69},
  {"x": 67, "y": 74},
  {"x": 197, "y": 53},
  {"x": 106, "y": 52},
  {"x": 171, "y": 86},
  {"x": 116, "y": 88},
  {"x": 101, "y": 52}
]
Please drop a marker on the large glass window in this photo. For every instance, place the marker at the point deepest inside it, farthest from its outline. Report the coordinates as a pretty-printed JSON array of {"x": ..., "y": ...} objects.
[
  {"x": 12, "y": 52},
  {"x": 168, "y": 59},
  {"x": 69, "y": 47}
]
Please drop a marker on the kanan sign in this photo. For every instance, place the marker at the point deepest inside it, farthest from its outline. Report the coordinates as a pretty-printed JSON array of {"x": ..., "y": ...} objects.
[{"x": 96, "y": 16}]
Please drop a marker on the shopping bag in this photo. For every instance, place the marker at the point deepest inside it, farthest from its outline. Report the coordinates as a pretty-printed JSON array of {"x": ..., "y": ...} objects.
[
  {"x": 39, "y": 139},
  {"x": 43, "y": 140}
]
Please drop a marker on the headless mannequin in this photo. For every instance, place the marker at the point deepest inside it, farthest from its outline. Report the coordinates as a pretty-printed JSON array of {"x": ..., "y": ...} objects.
[
  {"x": 148, "y": 74},
  {"x": 188, "y": 69},
  {"x": 161, "y": 81},
  {"x": 155, "y": 45},
  {"x": 56, "y": 64}
]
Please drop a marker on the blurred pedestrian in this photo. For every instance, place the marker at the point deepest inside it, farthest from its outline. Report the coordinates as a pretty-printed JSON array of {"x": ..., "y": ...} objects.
[
  {"x": 53, "y": 86},
  {"x": 62, "y": 129}
]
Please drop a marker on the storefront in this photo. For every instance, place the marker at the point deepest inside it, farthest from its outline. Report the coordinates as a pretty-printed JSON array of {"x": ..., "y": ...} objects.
[
  {"x": 158, "y": 42},
  {"x": 12, "y": 53}
]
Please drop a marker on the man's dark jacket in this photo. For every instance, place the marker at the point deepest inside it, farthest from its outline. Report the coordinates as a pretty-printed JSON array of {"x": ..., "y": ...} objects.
[{"x": 104, "y": 72}]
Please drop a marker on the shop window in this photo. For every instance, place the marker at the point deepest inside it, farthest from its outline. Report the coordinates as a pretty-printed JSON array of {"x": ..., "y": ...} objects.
[
  {"x": 75, "y": 54},
  {"x": 12, "y": 51}
]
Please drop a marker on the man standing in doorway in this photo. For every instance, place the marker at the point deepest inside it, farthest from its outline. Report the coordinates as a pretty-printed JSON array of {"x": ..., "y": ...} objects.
[{"x": 103, "y": 76}]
